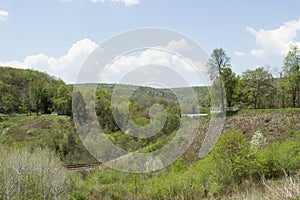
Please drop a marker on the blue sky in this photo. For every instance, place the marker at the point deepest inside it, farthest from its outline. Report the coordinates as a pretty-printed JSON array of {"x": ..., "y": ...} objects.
[{"x": 57, "y": 35}]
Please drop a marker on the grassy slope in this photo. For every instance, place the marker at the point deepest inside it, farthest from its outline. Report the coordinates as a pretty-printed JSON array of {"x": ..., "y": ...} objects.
[
  {"x": 49, "y": 131},
  {"x": 190, "y": 182},
  {"x": 54, "y": 132},
  {"x": 275, "y": 124}
]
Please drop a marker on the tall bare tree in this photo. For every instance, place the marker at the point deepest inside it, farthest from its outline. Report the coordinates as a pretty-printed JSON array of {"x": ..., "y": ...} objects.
[{"x": 217, "y": 63}]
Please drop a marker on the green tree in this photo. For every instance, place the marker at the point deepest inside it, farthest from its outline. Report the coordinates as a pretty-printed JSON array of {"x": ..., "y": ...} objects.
[
  {"x": 8, "y": 103},
  {"x": 27, "y": 85},
  {"x": 256, "y": 86},
  {"x": 230, "y": 82},
  {"x": 25, "y": 106},
  {"x": 291, "y": 70},
  {"x": 80, "y": 112},
  {"x": 281, "y": 89},
  {"x": 46, "y": 99},
  {"x": 35, "y": 93},
  {"x": 63, "y": 100}
]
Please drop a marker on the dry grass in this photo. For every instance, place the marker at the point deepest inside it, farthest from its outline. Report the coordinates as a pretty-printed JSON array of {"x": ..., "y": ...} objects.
[{"x": 285, "y": 188}]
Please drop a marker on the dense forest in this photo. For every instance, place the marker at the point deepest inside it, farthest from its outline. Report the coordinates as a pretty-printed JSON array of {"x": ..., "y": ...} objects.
[
  {"x": 256, "y": 157},
  {"x": 27, "y": 91}
]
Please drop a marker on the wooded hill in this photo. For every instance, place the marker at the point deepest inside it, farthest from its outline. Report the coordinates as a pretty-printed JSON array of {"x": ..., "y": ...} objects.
[{"x": 26, "y": 91}]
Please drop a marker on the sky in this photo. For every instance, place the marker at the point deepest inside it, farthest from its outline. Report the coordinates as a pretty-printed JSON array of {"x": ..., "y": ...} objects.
[{"x": 56, "y": 36}]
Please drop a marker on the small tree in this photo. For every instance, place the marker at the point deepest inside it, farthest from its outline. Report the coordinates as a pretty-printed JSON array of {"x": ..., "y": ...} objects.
[
  {"x": 63, "y": 100},
  {"x": 230, "y": 82},
  {"x": 8, "y": 103},
  {"x": 25, "y": 106},
  {"x": 291, "y": 71},
  {"x": 35, "y": 94}
]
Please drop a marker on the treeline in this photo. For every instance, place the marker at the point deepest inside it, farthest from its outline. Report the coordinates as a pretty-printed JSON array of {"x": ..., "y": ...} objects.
[
  {"x": 258, "y": 88},
  {"x": 27, "y": 91}
]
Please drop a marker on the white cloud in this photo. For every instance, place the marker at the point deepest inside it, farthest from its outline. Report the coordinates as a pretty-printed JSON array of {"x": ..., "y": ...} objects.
[
  {"x": 68, "y": 65},
  {"x": 276, "y": 41},
  {"x": 179, "y": 45},
  {"x": 261, "y": 54},
  {"x": 65, "y": 1},
  {"x": 153, "y": 56},
  {"x": 65, "y": 67},
  {"x": 123, "y": 64},
  {"x": 95, "y": 1},
  {"x": 238, "y": 53},
  {"x": 4, "y": 15},
  {"x": 127, "y": 2}
]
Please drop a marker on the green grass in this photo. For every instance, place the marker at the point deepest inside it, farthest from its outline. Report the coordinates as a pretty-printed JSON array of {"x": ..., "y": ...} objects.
[
  {"x": 279, "y": 110},
  {"x": 24, "y": 128}
]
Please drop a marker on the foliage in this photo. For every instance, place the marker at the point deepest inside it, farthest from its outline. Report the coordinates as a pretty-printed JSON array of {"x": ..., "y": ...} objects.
[
  {"x": 256, "y": 88},
  {"x": 24, "y": 91},
  {"x": 230, "y": 168},
  {"x": 53, "y": 132},
  {"x": 291, "y": 75},
  {"x": 230, "y": 83}
]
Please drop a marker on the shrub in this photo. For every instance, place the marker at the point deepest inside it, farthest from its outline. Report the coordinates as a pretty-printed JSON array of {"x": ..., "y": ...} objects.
[
  {"x": 32, "y": 175},
  {"x": 231, "y": 155},
  {"x": 258, "y": 141}
]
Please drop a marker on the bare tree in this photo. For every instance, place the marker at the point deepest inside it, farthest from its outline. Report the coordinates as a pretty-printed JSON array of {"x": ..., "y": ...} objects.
[{"x": 217, "y": 63}]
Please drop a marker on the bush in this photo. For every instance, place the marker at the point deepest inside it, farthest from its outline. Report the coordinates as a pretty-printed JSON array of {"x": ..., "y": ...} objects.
[
  {"x": 277, "y": 159},
  {"x": 231, "y": 155},
  {"x": 107, "y": 184},
  {"x": 32, "y": 175}
]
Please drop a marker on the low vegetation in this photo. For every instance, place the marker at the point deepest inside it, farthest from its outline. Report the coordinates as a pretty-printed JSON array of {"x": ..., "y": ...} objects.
[
  {"x": 236, "y": 169},
  {"x": 247, "y": 162}
]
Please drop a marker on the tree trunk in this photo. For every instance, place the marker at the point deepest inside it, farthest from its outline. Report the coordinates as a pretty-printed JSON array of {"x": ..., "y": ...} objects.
[
  {"x": 294, "y": 98},
  {"x": 298, "y": 95},
  {"x": 37, "y": 108},
  {"x": 255, "y": 102}
]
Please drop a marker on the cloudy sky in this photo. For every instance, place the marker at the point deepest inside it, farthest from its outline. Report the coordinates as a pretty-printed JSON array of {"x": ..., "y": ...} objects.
[{"x": 56, "y": 36}]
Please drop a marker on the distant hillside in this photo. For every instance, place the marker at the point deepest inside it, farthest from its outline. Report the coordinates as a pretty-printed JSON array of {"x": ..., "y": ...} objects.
[
  {"x": 149, "y": 92},
  {"x": 26, "y": 91}
]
